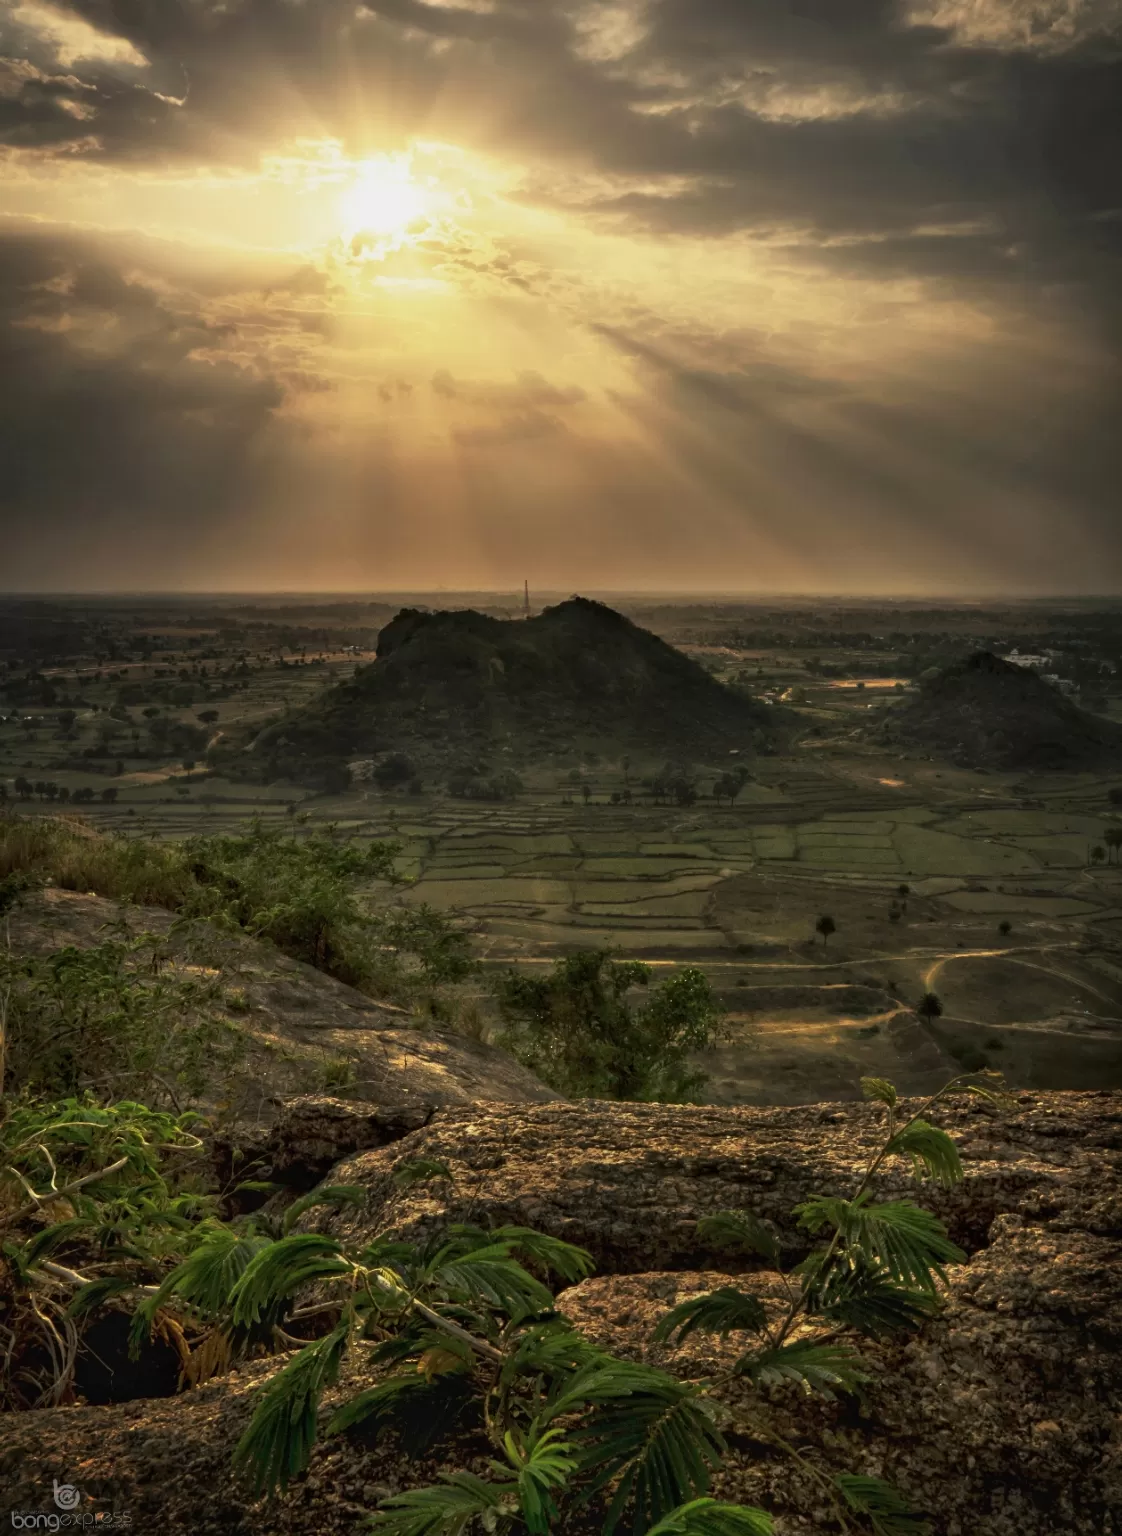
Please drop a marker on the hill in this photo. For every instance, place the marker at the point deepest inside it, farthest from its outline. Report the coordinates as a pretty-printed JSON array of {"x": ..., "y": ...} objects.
[
  {"x": 462, "y": 689},
  {"x": 984, "y": 712}
]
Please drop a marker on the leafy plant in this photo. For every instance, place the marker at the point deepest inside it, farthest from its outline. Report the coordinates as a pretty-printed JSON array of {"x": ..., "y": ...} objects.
[{"x": 577, "y": 1030}]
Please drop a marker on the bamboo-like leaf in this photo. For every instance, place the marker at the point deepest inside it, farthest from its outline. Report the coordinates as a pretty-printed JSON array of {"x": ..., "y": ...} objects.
[
  {"x": 879, "y": 1090},
  {"x": 552, "y": 1253},
  {"x": 419, "y": 1170},
  {"x": 278, "y": 1440},
  {"x": 909, "y": 1243},
  {"x": 543, "y": 1468},
  {"x": 490, "y": 1275},
  {"x": 821, "y": 1368},
  {"x": 706, "y": 1517},
  {"x": 419, "y": 1411},
  {"x": 885, "y": 1507},
  {"x": 931, "y": 1150},
  {"x": 95, "y": 1292},
  {"x": 860, "y": 1295},
  {"x": 647, "y": 1433},
  {"x": 329, "y": 1194},
  {"x": 279, "y": 1270},
  {"x": 722, "y": 1312},
  {"x": 739, "y": 1229},
  {"x": 446, "y": 1508}
]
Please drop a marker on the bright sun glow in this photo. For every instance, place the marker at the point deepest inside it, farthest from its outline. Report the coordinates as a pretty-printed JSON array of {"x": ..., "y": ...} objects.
[{"x": 382, "y": 202}]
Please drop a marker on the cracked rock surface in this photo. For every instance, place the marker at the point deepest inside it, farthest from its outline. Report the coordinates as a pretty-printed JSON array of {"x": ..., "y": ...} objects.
[{"x": 1002, "y": 1418}]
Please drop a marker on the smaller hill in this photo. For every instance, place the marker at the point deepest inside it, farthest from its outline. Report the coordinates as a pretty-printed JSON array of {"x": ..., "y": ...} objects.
[
  {"x": 452, "y": 688},
  {"x": 984, "y": 712}
]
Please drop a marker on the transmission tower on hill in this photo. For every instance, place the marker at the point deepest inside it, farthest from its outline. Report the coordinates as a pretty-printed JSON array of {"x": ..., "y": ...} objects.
[{"x": 525, "y": 599}]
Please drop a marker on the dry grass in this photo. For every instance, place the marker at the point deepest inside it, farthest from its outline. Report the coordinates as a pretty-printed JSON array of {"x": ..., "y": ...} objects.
[{"x": 70, "y": 854}]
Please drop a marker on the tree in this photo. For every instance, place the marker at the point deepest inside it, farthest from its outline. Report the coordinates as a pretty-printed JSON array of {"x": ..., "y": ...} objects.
[
  {"x": 904, "y": 891},
  {"x": 393, "y": 772},
  {"x": 1112, "y": 837},
  {"x": 1005, "y": 927},
  {"x": 208, "y": 716},
  {"x": 1098, "y": 852},
  {"x": 578, "y": 1031},
  {"x": 825, "y": 926},
  {"x": 929, "y": 1007},
  {"x": 586, "y": 793},
  {"x": 1115, "y": 797},
  {"x": 109, "y": 794},
  {"x": 24, "y": 788}
]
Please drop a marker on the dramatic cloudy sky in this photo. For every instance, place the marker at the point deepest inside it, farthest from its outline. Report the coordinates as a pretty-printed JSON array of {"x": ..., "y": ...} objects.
[{"x": 724, "y": 295}]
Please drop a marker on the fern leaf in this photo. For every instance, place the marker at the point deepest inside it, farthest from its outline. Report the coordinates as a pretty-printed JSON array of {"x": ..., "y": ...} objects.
[
  {"x": 95, "y": 1292},
  {"x": 329, "y": 1194},
  {"x": 879, "y": 1090},
  {"x": 550, "y": 1349},
  {"x": 931, "y": 1150},
  {"x": 910, "y": 1244},
  {"x": 279, "y": 1270},
  {"x": 821, "y": 1368},
  {"x": 647, "y": 1433},
  {"x": 886, "y": 1509},
  {"x": 446, "y": 1508},
  {"x": 420, "y": 1412},
  {"x": 492, "y": 1276},
  {"x": 50, "y": 1238},
  {"x": 564, "y": 1259},
  {"x": 278, "y": 1440},
  {"x": 206, "y": 1279},
  {"x": 543, "y": 1468},
  {"x": 859, "y": 1295},
  {"x": 721, "y": 1312},
  {"x": 706, "y": 1517},
  {"x": 419, "y": 1170},
  {"x": 739, "y": 1229}
]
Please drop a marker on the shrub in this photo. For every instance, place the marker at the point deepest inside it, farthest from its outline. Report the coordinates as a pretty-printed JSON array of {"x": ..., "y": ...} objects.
[{"x": 576, "y": 1029}]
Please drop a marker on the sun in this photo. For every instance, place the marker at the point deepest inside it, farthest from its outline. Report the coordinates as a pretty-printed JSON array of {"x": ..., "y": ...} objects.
[{"x": 381, "y": 204}]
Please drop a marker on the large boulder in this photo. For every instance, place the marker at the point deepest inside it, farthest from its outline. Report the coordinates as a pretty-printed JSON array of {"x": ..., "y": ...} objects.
[{"x": 1000, "y": 1419}]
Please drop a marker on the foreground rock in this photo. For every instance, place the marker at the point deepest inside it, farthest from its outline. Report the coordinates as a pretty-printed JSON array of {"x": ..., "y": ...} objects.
[{"x": 1001, "y": 1419}]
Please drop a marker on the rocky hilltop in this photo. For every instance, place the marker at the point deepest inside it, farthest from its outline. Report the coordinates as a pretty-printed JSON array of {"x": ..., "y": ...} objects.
[
  {"x": 984, "y": 712},
  {"x": 461, "y": 688},
  {"x": 998, "y": 1419}
]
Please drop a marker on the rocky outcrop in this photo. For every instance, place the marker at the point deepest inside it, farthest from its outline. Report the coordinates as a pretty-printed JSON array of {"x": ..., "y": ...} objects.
[
  {"x": 1000, "y": 1419},
  {"x": 301, "y": 1028}
]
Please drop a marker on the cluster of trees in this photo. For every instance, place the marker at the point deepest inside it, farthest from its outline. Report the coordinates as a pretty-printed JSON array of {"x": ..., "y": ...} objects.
[
  {"x": 48, "y": 790},
  {"x": 470, "y": 784}
]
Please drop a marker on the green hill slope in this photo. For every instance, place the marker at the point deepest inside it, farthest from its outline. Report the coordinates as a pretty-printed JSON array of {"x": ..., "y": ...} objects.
[
  {"x": 455, "y": 687},
  {"x": 985, "y": 712}
]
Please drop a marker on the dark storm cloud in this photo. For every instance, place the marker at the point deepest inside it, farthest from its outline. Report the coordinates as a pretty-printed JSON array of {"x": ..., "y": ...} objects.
[{"x": 107, "y": 420}]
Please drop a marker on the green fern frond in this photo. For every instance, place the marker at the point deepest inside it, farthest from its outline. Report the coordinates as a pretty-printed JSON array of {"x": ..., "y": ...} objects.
[
  {"x": 281, "y": 1269},
  {"x": 909, "y": 1243},
  {"x": 721, "y": 1312},
  {"x": 706, "y": 1517},
  {"x": 739, "y": 1229},
  {"x": 278, "y": 1440},
  {"x": 856, "y": 1294},
  {"x": 886, "y": 1509},
  {"x": 446, "y": 1508},
  {"x": 646, "y": 1432},
  {"x": 543, "y": 1467},
  {"x": 550, "y": 1349},
  {"x": 931, "y": 1150},
  {"x": 564, "y": 1259},
  {"x": 95, "y": 1292},
  {"x": 206, "y": 1279},
  {"x": 879, "y": 1090},
  {"x": 419, "y": 1170},
  {"x": 421, "y": 1412},
  {"x": 490, "y": 1275},
  {"x": 821, "y": 1368},
  {"x": 50, "y": 1238},
  {"x": 330, "y": 1194}
]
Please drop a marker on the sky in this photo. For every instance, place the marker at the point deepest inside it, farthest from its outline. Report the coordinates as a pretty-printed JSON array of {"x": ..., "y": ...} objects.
[{"x": 676, "y": 295}]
